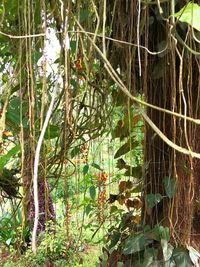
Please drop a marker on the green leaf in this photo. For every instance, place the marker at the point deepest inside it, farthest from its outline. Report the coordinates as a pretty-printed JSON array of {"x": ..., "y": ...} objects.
[
  {"x": 83, "y": 15},
  {"x": 88, "y": 209},
  {"x": 115, "y": 238},
  {"x": 96, "y": 166},
  {"x": 52, "y": 131},
  {"x": 149, "y": 256},
  {"x": 164, "y": 233},
  {"x": 13, "y": 113},
  {"x": 73, "y": 83},
  {"x": 85, "y": 169},
  {"x": 167, "y": 249},
  {"x": 13, "y": 116},
  {"x": 15, "y": 89},
  {"x": 5, "y": 77},
  {"x": 75, "y": 151},
  {"x": 135, "y": 172},
  {"x": 121, "y": 164},
  {"x": 125, "y": 149},
  {"x": 181, "y": 258},
  {"x": 170, "y": 186},
  {"x": 37, "y": 55},
  {"x": 120, "y": 264},
  {"x": 134, "y": 244},
  {"x": 190, "y": 14},
  {"x": 137, "y": 189},
  {"x": 113, "y": 209},
  {"x": 5, "y": 158},
  {"x": 72, "y": 47},
  {"x": 8, "y": 241},
  {"x": 92, "y": 192},
  {"x": 157, "y": 233},
  {"x": 153, "y": 199}
]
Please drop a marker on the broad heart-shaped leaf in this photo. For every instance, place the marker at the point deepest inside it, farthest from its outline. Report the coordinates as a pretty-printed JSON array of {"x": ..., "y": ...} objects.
[
  {"x": 164, "y": 233},
  {"x": 134, "y": 244},
  {"x": 153, "y": 199},
  {"x": 92, "y": 192},
  {"x": 167, "y": 249},
  {"x": 157, "y": 233},
  {"x": 182, "y": 258},
  {"x": 149, "y": 256},
  {"x": 190, "y": 14},
  {"x": 5, "y": 158},
  {"x": 170, "y": 186}
]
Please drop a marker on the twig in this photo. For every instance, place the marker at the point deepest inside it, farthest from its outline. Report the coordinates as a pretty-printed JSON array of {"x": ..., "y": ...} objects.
[
  {"x": 104, "y": 28},
  {"x": 22, "y": 36},
  {"x": 121, "y": 42},
  {"x": 138, "y": 37}
]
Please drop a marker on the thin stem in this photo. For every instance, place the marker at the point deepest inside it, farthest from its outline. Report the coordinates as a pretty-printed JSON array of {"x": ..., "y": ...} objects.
[{"x": 35, "y": 175}]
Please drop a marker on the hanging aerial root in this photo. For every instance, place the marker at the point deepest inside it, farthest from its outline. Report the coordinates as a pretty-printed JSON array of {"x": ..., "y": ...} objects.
[{"x": 121, "y": 85}]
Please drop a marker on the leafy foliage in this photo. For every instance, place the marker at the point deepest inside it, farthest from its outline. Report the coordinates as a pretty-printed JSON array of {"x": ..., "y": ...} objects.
[
  {"x": 190, "y": 14},
  {"x": 43, "y": 47},
  {"x": 170, "y": 186}
]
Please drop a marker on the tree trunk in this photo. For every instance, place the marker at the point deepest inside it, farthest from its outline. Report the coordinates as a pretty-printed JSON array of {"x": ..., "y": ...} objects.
[{"x": 165, "y": 90}]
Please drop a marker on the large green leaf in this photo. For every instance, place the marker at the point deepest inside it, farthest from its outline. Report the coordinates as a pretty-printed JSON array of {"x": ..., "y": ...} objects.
[
  {"x": 164, "y": 233},
  {"x": 170, "y": 186},
  {"x": 190, "y": 14},
  {"x": 157, "y": 233},
  {"x": 134, "y": 244},
  {"x": 13, "y": 113},
  {"x": 167, "y": 249},
  {"x": 149, "y": 258},
  {"x": 153, "y": 199},
  {"x": 181, "y": 258},
  {"x": 13, "y": 117},
  {"x": 5, "y": 158}
]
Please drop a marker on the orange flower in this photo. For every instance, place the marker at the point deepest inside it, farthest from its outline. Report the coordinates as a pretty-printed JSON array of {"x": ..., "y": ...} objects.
[{"x": 7, "y": 133}]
